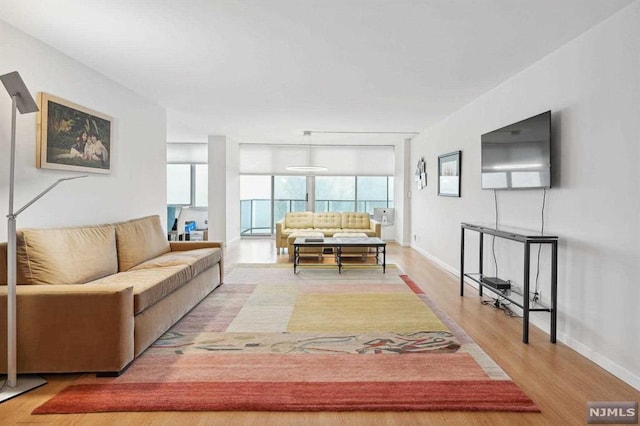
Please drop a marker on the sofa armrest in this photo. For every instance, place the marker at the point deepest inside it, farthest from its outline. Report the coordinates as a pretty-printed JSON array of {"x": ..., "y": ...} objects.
[
  {"x": 376, "y": 227},
  {"x": 194, "y": 245},
  {"x": 279, "y": 226},
  {"x": 70, "y": 328}
]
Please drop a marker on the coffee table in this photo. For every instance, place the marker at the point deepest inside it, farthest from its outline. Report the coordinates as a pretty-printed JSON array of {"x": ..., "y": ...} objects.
[{"x": 338, "y": 244}]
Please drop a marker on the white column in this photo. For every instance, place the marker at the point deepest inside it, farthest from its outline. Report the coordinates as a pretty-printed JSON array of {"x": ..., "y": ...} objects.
[
  {"x": 217, "y": 188},
  {"x": 224, "y": 189},
  {"x": 407, "y": 188}
]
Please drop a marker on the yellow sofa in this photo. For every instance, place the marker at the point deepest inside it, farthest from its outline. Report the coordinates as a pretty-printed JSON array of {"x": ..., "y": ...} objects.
[
  {"x": 93, "y": 298},
  {"x": 328, "y": 223}
]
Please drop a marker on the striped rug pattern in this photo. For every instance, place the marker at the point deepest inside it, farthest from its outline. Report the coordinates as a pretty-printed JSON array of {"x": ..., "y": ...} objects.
[{"x": 270, "y": 340}]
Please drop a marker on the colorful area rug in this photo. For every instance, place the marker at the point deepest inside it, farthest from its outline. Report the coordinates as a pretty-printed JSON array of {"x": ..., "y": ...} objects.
[{"x": 270, "y": 340}]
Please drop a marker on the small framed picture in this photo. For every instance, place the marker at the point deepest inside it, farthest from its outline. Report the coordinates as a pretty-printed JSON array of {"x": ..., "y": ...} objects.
[
  {"x": 421, "y": 174},
  {"x": 449, "y": 174},
  {"x": 72, "y": 137}
]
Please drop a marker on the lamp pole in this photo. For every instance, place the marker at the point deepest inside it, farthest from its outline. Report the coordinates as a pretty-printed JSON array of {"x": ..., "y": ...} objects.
[
  {"x": 21, "y": 101},
  {"x": 12, "y": 378}
]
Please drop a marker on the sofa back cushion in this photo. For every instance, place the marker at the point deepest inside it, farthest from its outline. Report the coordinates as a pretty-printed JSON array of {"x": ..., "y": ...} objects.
[
  {"x": 66, "y": 255},
  {"x": 298, "y": 220},
  {"x": 139, "y": 240},
  {"x": 330, "y": 220},
  {"x": 356, "y": 221}
]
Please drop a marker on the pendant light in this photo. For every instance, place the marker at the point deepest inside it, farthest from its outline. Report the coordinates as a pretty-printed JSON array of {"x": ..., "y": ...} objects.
[{"x": 310, "y": 166}]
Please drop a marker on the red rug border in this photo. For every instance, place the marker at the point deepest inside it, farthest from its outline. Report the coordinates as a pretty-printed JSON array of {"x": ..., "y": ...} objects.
[
  {"x": 412, "y": 284},
  {"x": 480, "y": 395}
]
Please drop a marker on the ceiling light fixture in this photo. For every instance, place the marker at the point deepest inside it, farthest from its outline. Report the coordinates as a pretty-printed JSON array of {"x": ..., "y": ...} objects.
[{"x": 310, "y": 166}]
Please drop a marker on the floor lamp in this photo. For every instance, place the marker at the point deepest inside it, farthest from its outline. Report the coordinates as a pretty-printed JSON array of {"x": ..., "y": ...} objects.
[{"x": 23, "y": 102}]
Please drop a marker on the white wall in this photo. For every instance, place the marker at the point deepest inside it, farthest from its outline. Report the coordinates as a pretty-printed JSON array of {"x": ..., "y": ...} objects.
[
  {"x": 138, "y": 154},
  {"x": 592, "y": 86}
]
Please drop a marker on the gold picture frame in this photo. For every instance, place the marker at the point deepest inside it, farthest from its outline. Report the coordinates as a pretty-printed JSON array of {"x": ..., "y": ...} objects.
[{"x": 72, "y": 137}]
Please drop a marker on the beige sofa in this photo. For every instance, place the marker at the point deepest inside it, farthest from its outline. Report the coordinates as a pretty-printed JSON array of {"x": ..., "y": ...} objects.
[
  {"x": 91, "y": 299},
  {"x": 327, "y": 223}
]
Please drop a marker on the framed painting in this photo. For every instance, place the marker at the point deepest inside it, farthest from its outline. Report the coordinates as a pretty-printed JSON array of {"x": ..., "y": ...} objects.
[
  {"x": 421, "y": 174},
  {"x": 72, "y": 137},
  {"x": 449, "y": 174}
]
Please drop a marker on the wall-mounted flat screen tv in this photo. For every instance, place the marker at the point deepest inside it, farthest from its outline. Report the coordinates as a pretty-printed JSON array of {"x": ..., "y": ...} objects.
[{"x": 518, "y": 156}]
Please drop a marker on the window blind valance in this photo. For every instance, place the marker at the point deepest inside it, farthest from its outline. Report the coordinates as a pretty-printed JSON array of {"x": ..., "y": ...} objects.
[{"x": 342, "y": 160}]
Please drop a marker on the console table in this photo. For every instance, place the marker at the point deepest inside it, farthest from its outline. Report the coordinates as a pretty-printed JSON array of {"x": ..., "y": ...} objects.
[{"x": 528, "y": 238}]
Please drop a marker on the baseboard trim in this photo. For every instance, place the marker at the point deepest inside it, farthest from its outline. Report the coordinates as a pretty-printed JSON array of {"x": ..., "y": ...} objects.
[
  {"x": 232, "y": 241},
  {"x": 602, "y": 361},
  {"x": 437, "y": 261},
  {"x": 591, "y": 354}
]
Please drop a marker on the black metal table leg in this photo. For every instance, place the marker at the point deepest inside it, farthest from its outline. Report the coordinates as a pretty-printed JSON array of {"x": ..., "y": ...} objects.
[
  {"x": 384, "y": 259},
  {"x": 525, "y": 296},
  {"x": 480, "y": 260},
  {"x": 461, "y": 261},
  {"x": 554, "y": 290}
]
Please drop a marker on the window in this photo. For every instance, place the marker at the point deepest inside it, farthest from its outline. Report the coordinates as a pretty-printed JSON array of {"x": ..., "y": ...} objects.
[
  {"x": 335, "y": 194},
  {"x": 373, "y": 191},
  {"x": 201, "y": 181},
  {"x": 259, "y": 209},
  {"x": 179, "y": 184},
  {"x": 255, "y": 205},
  {"x": 289, "y": 195},
  {"x": 188, "y": 185},
  {"x": 353, "y": 193}
]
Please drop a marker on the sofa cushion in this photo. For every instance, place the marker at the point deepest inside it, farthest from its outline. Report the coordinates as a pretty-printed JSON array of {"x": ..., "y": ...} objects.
[
  {"x": 369, "y": 232},
  {"x": 328, "y": 232},
  {"x": 298, "y": 220},
  {"x": 139, "y": 240},
  {"x": 327, "y": 220},
  {"x": 73, "y": 255},
  {"x": 287, "y": 231},
  {"x": 149, "y": 285},
  {"x": 356, "y": 220},
  {"x": 198, "y": 260}
]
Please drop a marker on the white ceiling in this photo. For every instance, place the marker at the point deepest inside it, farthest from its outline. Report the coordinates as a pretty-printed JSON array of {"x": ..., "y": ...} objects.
[{"x": 265, "y": 70}]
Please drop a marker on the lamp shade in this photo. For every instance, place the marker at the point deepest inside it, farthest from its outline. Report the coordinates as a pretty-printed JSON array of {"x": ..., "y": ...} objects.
[{"x": 16, "y": 87}]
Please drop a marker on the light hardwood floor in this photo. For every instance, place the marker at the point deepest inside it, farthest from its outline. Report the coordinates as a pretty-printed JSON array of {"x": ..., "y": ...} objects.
[{"x": 559, "y": 380}]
